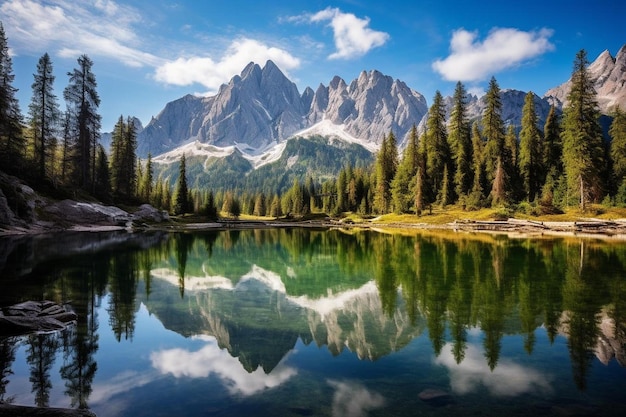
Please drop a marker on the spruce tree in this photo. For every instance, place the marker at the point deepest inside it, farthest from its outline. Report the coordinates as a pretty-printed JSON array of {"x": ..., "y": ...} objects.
[
  {"x": 493, "y": 129},
  {"x": 460, "y": 142},
  {"x": 477, "y": 195},
  {"x": 385, "y": 171},
  {"x": 11, "y": 138},
  {"x": 181, "y": 199},
  {"x": 531, "y": 150},
  {"x": 44, "y": 116},
  {"x": 102, "y": 180},
  {"x": 401, "y": 192},
  {"x": 583, "y": 151},
  {"x": 437, "y": 147},
  {"x": 83, "y": 100},
  {"x": 553, "y": 147},
  {"x": 618, "y": 152}
]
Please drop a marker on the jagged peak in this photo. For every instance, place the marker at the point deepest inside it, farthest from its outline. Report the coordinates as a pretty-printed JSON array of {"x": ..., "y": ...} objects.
[
  {"x": 337, "y": 82},
  {"x": 251, "y": 69},
  {"x": 621, "y": 54}
]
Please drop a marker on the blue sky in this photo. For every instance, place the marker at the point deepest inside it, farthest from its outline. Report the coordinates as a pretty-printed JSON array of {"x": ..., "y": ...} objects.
[{"x": 149, "y": 52}]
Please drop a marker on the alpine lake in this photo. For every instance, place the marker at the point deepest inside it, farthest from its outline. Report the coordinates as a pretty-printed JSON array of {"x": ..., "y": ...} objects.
[{"x": 311, "y": 322}]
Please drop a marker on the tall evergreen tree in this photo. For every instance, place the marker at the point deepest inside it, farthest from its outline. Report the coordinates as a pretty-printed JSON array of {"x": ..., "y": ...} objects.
[
  {"x": 102, "y": 180},
  {"x": 583, "y": 150},
  {"x": 11, "y": 136},
  {"x": 148, "y": 178},
  {"x": 116, "y": 161},
  {"x": 478, "y": 167},
  {"x": 181, "y": 199},
  {"x": 531, "y": 150},
  {"x": 83, "y": 100},
  {"x": 553, "y": 147},
  {"x": 401, "y": 192},
  {"x": 44, "y": 116},
  {"x": 385, "y": 171},
  {"x": 437, "y": 147},
  {"x": 460, "y": 141},
  {"x": 618, "y": 152},
  {"x": 493, "y": 129}
]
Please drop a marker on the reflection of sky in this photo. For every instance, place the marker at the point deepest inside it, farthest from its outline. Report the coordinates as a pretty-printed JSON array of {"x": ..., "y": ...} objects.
[
  {"x": 507, "y": 378},
  {"x": 211, "y": 360},
  {"x": 354, "y": 400}
]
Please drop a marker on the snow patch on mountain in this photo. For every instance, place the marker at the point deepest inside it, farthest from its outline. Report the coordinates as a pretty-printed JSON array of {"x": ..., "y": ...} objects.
[{"x": 331, "y": 130}]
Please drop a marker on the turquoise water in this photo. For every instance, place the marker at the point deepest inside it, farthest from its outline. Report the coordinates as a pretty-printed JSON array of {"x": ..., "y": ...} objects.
[{"x": 302, "y": 322}]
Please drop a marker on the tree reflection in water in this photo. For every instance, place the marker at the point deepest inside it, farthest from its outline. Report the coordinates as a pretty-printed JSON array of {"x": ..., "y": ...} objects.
[{"x": 258, "y": 292}]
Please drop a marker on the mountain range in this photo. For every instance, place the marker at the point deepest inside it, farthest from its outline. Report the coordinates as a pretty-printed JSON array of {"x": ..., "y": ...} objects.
[{"x": 249, "y": 123}]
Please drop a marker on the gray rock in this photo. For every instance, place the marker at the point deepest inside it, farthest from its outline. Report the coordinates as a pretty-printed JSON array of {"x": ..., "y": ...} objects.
[
  {"x": 78, "y": 213},
  {"x": 148, "y": 213},
  {"x": 33, "y": 316}
]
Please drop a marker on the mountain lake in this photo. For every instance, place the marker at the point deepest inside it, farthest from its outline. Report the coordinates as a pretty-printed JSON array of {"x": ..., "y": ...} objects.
[{"x": 309, "y": 322}]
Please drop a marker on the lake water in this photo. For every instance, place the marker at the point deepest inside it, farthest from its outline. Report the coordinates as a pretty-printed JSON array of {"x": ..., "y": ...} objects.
[{"x": 301, "y": 322}]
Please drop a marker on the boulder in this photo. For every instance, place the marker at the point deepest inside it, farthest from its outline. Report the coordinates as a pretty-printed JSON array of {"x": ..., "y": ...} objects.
[
  {"x": 73, "y": 212},
  {"x": 149, "y": 214},
  {"x": 34, "y": 316}
]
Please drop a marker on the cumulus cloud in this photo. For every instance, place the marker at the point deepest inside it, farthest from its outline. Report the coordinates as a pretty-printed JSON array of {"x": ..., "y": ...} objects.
[
  {"x": 212, "y": 73},
  {"x": 508, "y": 379},
  {"x": 353, "y": 36},
  {"x": 103, "y": 28},
  {"x": 473, "y": 60}
]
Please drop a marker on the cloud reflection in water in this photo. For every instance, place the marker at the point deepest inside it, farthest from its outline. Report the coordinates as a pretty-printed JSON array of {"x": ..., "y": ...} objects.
[
  {"x": 210, "y": 359},
  {"x": 507, "y": 379},
  {"x": 354, "y": 400}
]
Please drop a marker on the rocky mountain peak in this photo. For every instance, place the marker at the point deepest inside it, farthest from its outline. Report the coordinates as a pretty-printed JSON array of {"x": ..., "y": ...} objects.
[{"x": 609, "y": 75}]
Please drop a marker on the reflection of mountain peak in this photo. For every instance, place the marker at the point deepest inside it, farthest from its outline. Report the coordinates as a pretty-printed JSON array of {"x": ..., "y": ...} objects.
[{"x": 257, "y": 322}]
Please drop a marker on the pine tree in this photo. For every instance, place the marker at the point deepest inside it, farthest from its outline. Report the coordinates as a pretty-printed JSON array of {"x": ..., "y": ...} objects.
[
  {"x": 116, "y": 160},
  {"x": 102, "y": 181},
  {"x": 531, "y": 150},
  {"x": 618, "y": 151},
  {"x": 477, "y": 195},
  {"x": 44, "y": 116},
  {"x": 401, "y": 192},
  {"x": 419, "y": 201},
  {"x": 493, "y": 129},
  {"x": 437, "y": 147},
  {"x": 553, "y": 147},
  {"x": 385, "y": 171},
  {"x": 181, "y": 199},
  {"x": 83, "y": 99},
  {"x": 11, "y": 138},
  {"x": 148, "y": 179},
  {"x": 460, "y": 142},
  {"x": 129, "y": 158},
  {"x": 583, "y": 151}
]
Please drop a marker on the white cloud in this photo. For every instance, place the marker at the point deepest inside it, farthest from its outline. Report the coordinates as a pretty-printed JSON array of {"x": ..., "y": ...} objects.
[
  {"x": 212, "y": 360},
  {"x": 472, "y": 60},
  {"x": 211, "y": 73},
  {"x": 103, "y": 29},
  {"x": 353, "y": 37},
  {"x": 508, "y": 379}
]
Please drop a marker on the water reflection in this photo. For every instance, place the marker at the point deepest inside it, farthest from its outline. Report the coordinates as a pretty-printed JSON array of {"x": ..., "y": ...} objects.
[
  {"x": 248, "y": 298},
  {"x": 211, "y": 360},
  {"x": 509, "y": 379}
]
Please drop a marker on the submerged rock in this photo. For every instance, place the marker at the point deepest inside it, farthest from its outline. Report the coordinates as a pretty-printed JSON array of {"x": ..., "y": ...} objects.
[
  {"x": 34, "y": 316},
  {"x": 435, "y": 397}
]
